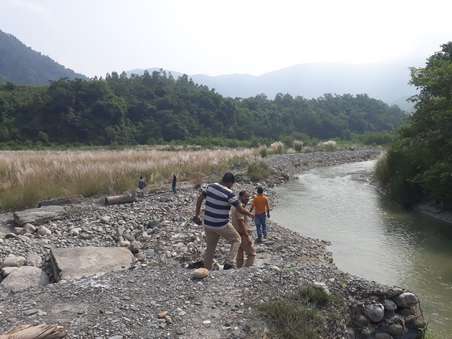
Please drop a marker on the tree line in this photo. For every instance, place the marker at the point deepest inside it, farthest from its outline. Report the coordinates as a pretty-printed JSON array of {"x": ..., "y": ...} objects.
[
  {"x": 156, "y": 108},
  {"x": 418, "y": 167}
]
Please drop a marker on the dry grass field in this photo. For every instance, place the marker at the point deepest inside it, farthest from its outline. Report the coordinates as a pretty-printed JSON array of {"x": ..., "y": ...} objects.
[{"x": 27, "y": 177}]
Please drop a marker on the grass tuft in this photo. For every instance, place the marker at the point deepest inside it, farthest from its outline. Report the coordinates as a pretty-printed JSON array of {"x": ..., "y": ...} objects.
[{"x": 298, "y": 316}]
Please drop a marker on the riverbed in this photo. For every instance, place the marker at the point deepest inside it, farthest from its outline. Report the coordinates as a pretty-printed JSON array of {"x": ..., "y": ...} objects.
[{"x": 372, "y": 237}]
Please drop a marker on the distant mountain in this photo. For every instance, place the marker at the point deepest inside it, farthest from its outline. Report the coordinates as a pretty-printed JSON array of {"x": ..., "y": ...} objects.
[
  {"x": 22, "y": 65},
  {"x": 388, "y": 82}
]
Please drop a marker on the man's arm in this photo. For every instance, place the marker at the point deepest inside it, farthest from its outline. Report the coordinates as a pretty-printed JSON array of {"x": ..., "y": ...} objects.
[
  {"x": 244, "y": 211},
  {"x": 252, "y": 207},
  {"x": 196, "y": 218},
  {"x": 268, "y": 207}
]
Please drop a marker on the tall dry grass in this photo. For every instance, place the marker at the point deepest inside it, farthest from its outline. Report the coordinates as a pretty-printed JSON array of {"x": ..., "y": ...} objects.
[{"x": 27, "y": 177}]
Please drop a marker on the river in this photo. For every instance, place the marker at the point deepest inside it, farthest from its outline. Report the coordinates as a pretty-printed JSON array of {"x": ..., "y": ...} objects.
[{"x": 372, "y": 237}]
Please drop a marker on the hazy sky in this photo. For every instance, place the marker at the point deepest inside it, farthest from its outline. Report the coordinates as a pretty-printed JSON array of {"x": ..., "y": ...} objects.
[{"x": 215, "y": 37}]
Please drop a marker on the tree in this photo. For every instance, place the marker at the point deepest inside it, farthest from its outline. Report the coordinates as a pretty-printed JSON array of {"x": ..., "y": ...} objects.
[{"x": 419, "y": 165}]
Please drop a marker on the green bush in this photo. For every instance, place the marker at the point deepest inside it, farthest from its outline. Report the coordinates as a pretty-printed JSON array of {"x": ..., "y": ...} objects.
[
  {"x": 263, "y": 152},
  {"x": 418, "y": 165},
  {"x": 298, "y": 145},
  {"x": 258, "y": 170}
]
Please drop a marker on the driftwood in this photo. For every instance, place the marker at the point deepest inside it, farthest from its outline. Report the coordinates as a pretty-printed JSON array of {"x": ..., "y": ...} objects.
[
  {"x": 35, "y": 332},
  {"x": 120, "y": 199}
]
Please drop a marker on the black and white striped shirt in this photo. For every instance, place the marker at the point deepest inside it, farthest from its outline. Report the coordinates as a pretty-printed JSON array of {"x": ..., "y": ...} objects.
[{"x": 219, "y": 200}]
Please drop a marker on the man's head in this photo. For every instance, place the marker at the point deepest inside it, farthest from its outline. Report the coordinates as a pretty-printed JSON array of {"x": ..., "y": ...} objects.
[
  {"x": 244, "y": 197},
  {"x": 228, "y": 179},
  {"x": 260, "y": 190}
]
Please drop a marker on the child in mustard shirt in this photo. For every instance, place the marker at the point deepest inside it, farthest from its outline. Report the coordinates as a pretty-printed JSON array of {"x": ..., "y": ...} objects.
[{"x": 262, "y": 212}]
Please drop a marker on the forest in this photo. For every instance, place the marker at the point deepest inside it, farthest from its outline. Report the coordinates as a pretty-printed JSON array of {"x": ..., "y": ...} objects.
[{"x": 157, "y": 108}]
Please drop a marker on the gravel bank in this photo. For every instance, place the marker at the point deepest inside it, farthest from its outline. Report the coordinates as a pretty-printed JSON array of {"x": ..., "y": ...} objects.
[{"x": 133, "y": 303}]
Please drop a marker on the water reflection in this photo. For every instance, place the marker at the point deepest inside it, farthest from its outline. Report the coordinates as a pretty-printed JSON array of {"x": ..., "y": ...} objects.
[{"x": 373, "y": 237}]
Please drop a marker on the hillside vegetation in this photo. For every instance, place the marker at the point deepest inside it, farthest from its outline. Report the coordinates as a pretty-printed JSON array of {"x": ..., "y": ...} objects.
[
  {"x": 22, "y": 65},
  {"x": 156, "y": 108},
  {"x": 419, "y": 164}
]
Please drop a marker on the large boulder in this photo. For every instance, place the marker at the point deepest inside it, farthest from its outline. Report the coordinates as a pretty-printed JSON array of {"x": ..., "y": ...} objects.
[
  {"x": 78, "y": 262},
  {"x": 38, "y": 216},
  {"x": 406, "y": 299},
  {"x": 25, "y": 277},
  {"x": 6, "y": 221}
]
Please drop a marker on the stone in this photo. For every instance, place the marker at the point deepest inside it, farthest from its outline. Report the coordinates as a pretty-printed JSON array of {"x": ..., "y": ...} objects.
[
  {"x": 75, "y": 231},
  {"x": 389, "y": 305},
  {"x": 145, "y": 236},
  {"x": 19, "y": 230},
  {"x": 78, "y": 262},
  {"x": 383, "y": 335},
  {"x": 140, "y": 256},
  {"x": 25, "y": 277},
  {"x": 13, "y": 261},
  {"x": 420, "y": 323},
  {"x": 124, "y": 243},
  {"x": 105, "y": 219},
  {"x": 30, "y": 312},
  {"x": 406, "y": 299},
  {"x": 34, "y": 260},
  {"x": 38, "y": 216},
  {"x": 406, "y": 312},
  {"x": 361, "y": 321},
  {"x": 375, "y": 312},
  {"x": 396, "y": 330},
  {"x": 44, "y": 231},
  {"x": 135, "y": 246},
  {"x": 200, "y": 273},
  {"x": 163, "y": 314},
  {"x": 29, "y": 228},
  {"x": 7, "y": 270}
]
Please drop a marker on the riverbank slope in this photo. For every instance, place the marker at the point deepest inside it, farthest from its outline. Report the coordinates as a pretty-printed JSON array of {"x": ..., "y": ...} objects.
[{"x": 129, "y": 303}]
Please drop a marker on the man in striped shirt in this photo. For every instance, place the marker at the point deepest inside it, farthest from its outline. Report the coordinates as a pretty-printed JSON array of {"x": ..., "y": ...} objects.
[{"x": 219, "y": 199}]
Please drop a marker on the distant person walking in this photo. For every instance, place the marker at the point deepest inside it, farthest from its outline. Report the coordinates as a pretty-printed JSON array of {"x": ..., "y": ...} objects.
[
  {"x": 174, "y": 183},
  {"x": 141, "y": 186},
  {"x": 241, "y": 224},
  {"x": 262, "y": 212},
  {"x": 219, "y": 199}
]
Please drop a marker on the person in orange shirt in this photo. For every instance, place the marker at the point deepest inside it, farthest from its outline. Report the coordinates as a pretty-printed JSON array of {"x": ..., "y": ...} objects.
[{"x": 262, "y": 212}]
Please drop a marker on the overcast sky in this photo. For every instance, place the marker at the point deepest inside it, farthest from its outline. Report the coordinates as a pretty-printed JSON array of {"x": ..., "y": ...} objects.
[{"x": 234, "y": 36}]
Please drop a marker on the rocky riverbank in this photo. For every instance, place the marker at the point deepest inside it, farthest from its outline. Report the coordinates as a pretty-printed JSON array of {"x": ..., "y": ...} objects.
[{"x": 155, "y": 296}]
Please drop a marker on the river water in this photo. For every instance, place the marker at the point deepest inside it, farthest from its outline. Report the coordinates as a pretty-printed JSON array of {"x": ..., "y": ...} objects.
[{"x": 372, "y": 237}]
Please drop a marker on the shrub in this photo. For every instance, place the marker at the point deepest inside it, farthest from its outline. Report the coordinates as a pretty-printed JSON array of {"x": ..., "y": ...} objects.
[
  {"x": 277, "y": 147},
  {"x": 327, "y": 146},
  {"x": 263, "y": 151},
  {"x": 298, "y": 145},
  {"x": 258, "y": 170}
]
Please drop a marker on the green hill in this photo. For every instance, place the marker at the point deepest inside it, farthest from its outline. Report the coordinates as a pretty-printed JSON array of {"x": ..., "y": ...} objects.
[{"x": 22, "y": 65}]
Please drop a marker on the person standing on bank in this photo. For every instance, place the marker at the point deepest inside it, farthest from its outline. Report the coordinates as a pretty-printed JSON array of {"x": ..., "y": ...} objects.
[
  {"x": 173, "y": 185},
  {"x": 262, "y": 212},
  {"x": 241, "y": 224},
  {"x": 219, "y": 199}
]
